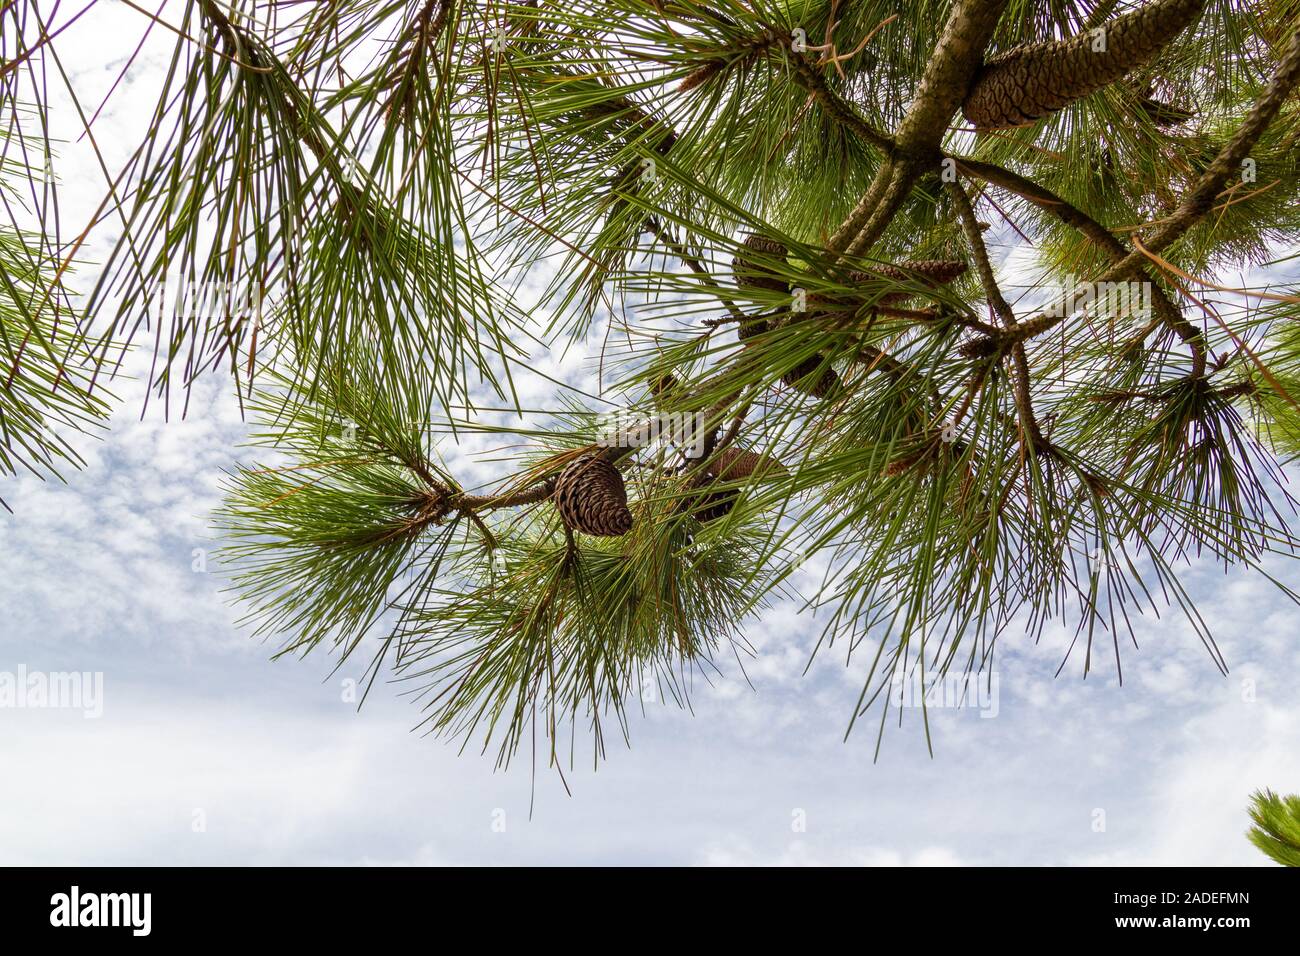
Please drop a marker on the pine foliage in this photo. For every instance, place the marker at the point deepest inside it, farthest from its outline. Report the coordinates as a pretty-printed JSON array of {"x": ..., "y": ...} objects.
[
  {"x": 1276, "y": 829},
  {"x": 832, "y": 317}
]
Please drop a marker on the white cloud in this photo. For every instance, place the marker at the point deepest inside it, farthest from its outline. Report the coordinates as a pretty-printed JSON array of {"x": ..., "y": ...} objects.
[{"x": 97, "y": 575}]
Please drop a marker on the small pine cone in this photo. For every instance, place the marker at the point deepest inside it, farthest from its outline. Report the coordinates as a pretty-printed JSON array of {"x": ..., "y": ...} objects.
[
  {"x": 905, "y": 463},
  {"x": 701, "y": 75},
  {"x": 712, "y": 505},
  {"x": 1245, "y": 387},
  {"x": 750, "y": 274},
  {"x": 981, "y": 347},
  {"x": 748, "y": 327},
  {"x": 814, "y": 377},
  {"x": 591, "y": 497},
  {"x": 664, "y": 387},
  {"x": 1164, "y": 114},
  {"x": 766, "y": 245},
  {"x": 737, "y": 464},
  {"x": 1029, "y": 82},
  {"x": 932, "y": 272},
  {"x": 1098, "y": 485}
]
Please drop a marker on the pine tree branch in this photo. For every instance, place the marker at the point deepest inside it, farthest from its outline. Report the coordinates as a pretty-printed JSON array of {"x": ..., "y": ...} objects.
[
  {"x": 956, "y": 58},
  {"x": 1045, "y": 198},
  {"x": 421, "y": 32},
  {"x": 926, "y": 540},
  {"x": 1020, "y": 362},
  {"x": 979, "y": 252},
  {"x": 810, "y": 78},
  {"x": 1200, "y": 199},
  {"x": 903, "y": 176},
  {"x": 510, "y": 499},
  {"x": 948, "y": 74},
  {"x": 862, "y": 212},
  {"x": 695, "y": 265},
  {"x": 665, "y": 138},
  {"x": 443, "y": 499},
  {"x": 1168, "y": 313}
]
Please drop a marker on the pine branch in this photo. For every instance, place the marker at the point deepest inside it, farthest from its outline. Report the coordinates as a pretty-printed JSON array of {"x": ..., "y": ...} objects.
[
  {"x": 1276, "y": 830},
  {"x": 807, "y": 75},
  {"x": 1032, "y": 431},
  {"x": 954, "y": 492},
  {"x": 1200, "y": 199},
  {"x": 948, "y": 74},
  {"x": 956, "y": 57},
  {"x": 1103, "y": 238}
]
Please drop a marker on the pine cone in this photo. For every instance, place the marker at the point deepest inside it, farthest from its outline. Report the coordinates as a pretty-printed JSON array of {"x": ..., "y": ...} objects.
[
  {"x": 980, "y": 347},
  {"x": 591, "y": 498},
  {"x": 712, "y": 505},
  {"x": 813, "y": 377},
  {"x": 931, "y": 272},
  {"x": 701, "y": 75},
  {"x": 1164, "y": 114},
  {"x": 664, "y": 388},
  {"x": 751, "y": 275},
  {"x": 766, "y": 245},
  {"x": 737, "y": 464},
  {"x": 904, "y": 463},
  {"x": 1031, "y": 81},
  {"x": 748, "y": 327}
]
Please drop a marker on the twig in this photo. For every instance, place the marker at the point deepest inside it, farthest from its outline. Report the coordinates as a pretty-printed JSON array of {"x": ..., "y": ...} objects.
[
  {"x": 1170, "y": 267},
  {"x": 1020, "y": 362},
  {"x": 1200, "y": 199},
  {"x": 807, "y": 76},
  {"x": 1167, "y": 313}
]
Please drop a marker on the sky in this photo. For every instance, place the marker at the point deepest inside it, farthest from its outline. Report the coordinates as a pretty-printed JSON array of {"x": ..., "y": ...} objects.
[{"x": 204, "y": 750}]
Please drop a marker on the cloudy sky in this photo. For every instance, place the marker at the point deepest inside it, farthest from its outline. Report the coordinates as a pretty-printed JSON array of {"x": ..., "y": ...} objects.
[{"x": 208, "y": 752}]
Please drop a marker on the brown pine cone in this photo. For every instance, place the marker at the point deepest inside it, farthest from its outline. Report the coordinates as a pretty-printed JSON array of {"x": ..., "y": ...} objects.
[
  {"x": 750, "y": 274},
  {"x": 904, "y": 463},
  {"x": 591, "y": 497},
  {"x": 749, "y": 326},
  {"x": 1164, "y": 114},
  {"x": 766, "y": 245},
  {"x": 712, "y": 505},
  {"x": 813, "y": 377},
  {"x": 737, "y": 464},
  {"x": 931, "y": 272},
  {"x": 664, "y": 387},
  {"x": 701, "y": 75},
  {"x": 979, "y": 347},
  {"x": 1029, "y": 82}
]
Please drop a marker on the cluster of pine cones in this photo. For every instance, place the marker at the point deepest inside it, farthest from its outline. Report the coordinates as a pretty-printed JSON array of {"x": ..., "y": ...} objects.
[{"x": 592, "y": 498}]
